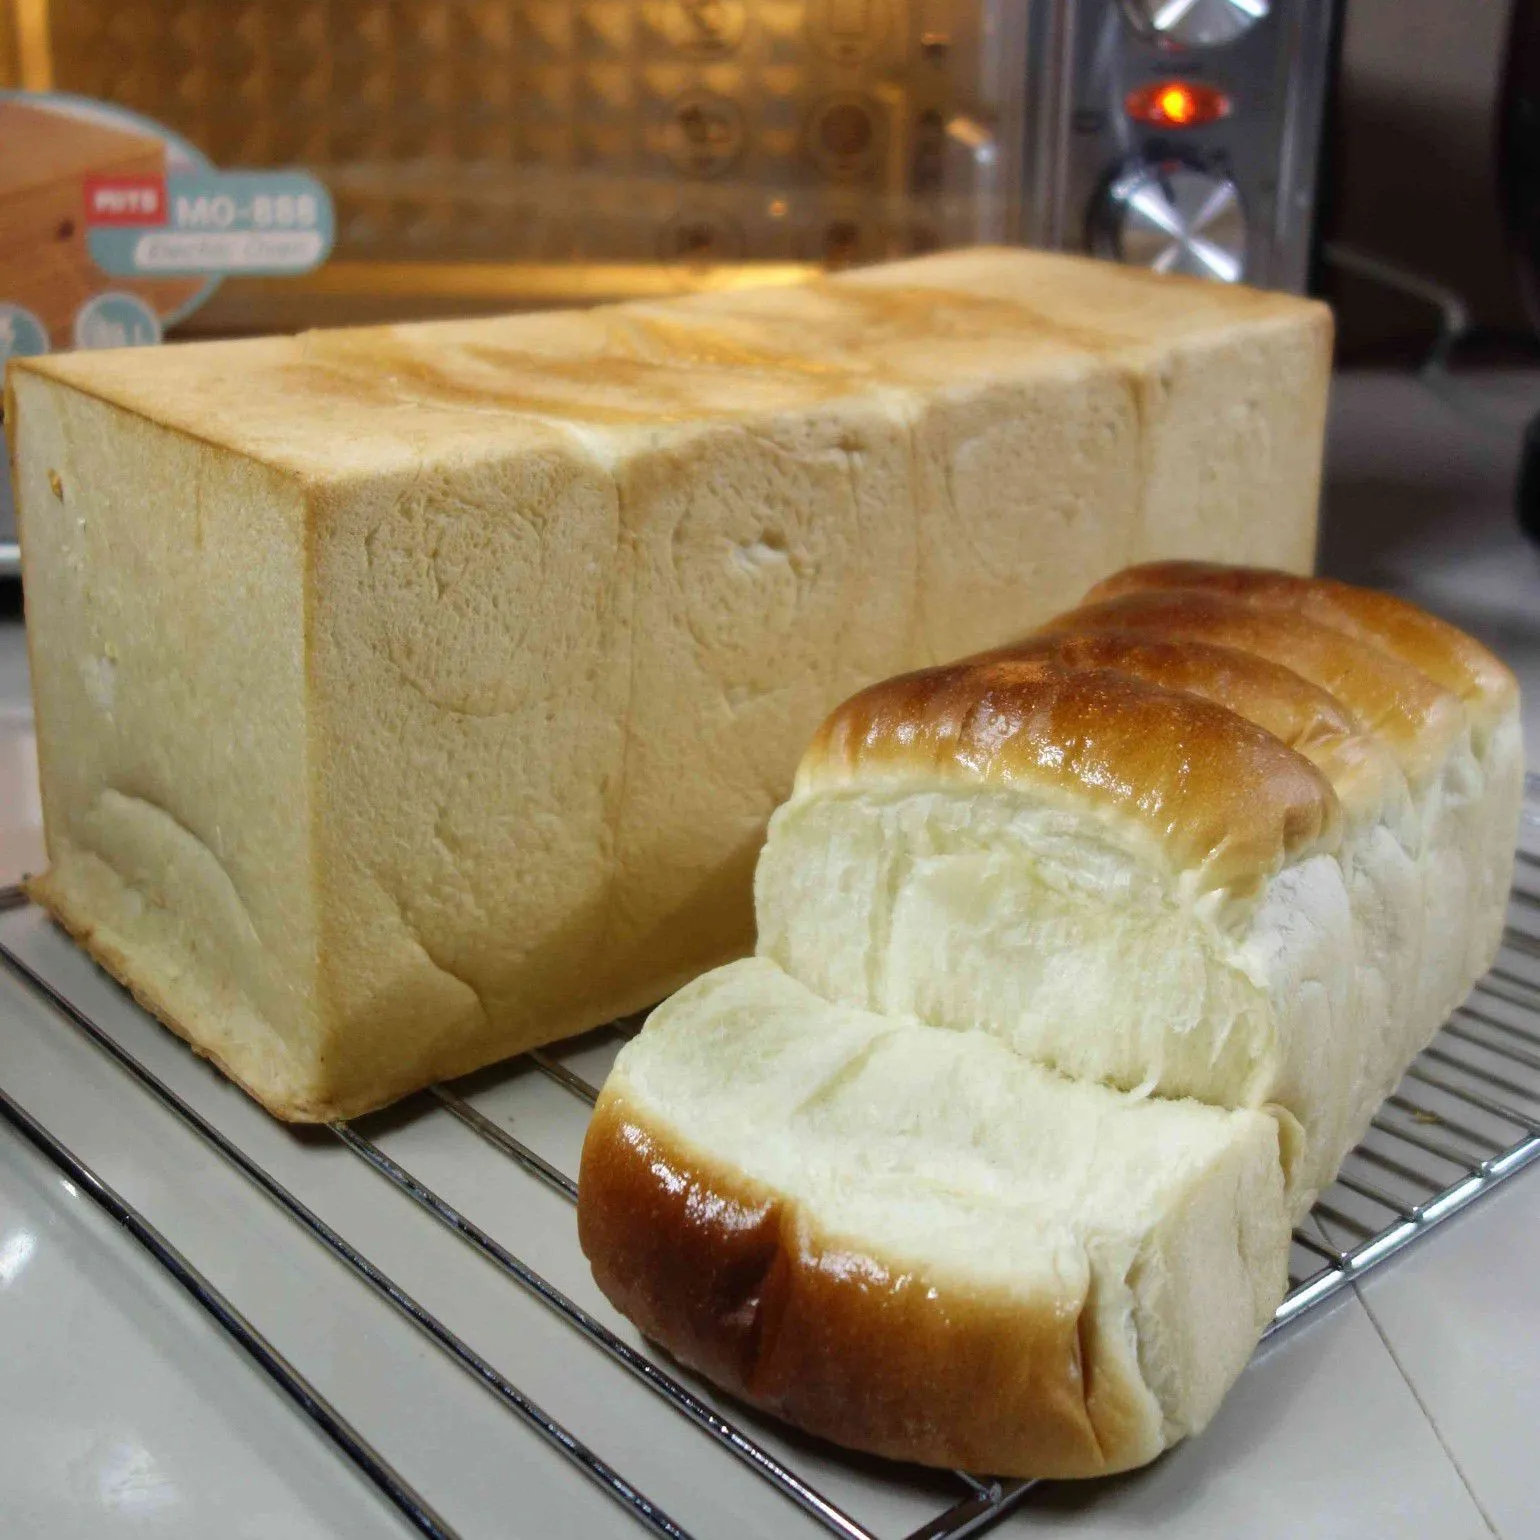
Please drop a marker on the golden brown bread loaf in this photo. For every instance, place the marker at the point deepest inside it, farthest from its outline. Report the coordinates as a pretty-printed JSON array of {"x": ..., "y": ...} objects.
[
  {"x": 408, "y": 697},
  {"x": 1441, "y": 651},
  {"x": 1216, "y": 793},
  {"x": 1082, "y": 965},
  {"x": 1300, "y": 715},
  {"x": 1344, "y": 887},
  {"x": 917, "y": 1243},
  {"x": 1415, "y": 718}
]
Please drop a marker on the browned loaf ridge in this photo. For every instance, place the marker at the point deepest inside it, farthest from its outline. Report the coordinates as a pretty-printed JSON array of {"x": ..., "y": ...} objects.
[
  {"x": 411, "y": 696},
  {"x": 1082, "y": 964}
]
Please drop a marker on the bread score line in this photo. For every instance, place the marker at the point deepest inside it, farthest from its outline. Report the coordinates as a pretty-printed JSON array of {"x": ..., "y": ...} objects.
[{"x": 1083, "y": 963}]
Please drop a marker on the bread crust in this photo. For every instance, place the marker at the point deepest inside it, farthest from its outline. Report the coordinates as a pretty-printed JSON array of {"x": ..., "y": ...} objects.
[
  {"x": 1232, "y": 715},
  {"x": 1213, "y": 792},
  {"x": 1236, "y": 722},
  {"x": 1446, "y": 654},
  {"x": 832, "y": 1337},
  {"x": 466, "y": 661},
  {"x": 1388, "y": 696},
  {"x": 1299, "y": 714},
  {"x": 123, "y": 964},
  {"x": 280, "y": 1086}
]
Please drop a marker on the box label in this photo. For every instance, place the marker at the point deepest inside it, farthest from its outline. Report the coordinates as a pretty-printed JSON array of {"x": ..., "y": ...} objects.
[
  {"x": 225, "y": 222},
  {"x": 137, "y": 228},
  {"x": 125, "y": 200}
]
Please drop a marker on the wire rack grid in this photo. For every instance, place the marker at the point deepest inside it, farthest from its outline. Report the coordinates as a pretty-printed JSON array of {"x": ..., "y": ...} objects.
[{"x": 1466, "y": 1117}]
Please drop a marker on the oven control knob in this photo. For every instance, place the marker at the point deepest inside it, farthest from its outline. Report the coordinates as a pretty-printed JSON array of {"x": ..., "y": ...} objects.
[
  {"x": 1174, "y": 218},
  {"x": 1197, "y": 23}
]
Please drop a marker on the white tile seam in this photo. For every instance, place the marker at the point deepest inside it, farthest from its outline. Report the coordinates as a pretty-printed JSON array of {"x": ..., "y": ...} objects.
[{"x": 1432, "y": 1421}]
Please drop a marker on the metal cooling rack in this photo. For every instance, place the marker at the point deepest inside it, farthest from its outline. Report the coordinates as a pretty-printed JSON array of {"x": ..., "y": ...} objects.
[{"x": 1466, "y": 1117}]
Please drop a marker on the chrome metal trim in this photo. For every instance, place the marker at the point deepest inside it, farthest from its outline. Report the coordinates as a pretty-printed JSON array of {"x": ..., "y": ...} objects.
[
  {"x": 504, "y": 1142},
  {"x": 1523, "y": 1034},
  {"x": 973, "y": 1515},
  {"x": 1325, "y": 1210},
  {"x": 1051, "y": 163},
  {"x": 564, "y": 1077},
  {"x": 1517, "y": 1055},
  {"x": 1389, "y": 1162},
  {"x": 1486, "y": 1103},
  {"x": 1520, "y": 941},
  {"x": 1426, "y": 1115},
  {"x": 1375, "y": 1194},
  {"x": 1303, "y": 66},
  {"x": 1310, "y": 1243},
  {"x": 1518, "y": 980}
]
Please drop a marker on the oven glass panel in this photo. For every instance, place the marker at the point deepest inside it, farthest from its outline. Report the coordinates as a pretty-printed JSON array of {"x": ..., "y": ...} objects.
[{"x": 568, "y": 149}]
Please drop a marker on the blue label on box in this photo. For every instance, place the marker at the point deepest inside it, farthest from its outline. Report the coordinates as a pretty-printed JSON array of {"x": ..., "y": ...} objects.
[
  {"x": 116, "y": 321},
  {"x": 216, "y": 222},
  {"x": 22, "y": 335}
]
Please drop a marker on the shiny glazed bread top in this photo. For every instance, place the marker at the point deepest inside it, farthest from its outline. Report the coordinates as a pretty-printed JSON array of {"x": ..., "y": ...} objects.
[{"x": 1227, "y": 717}]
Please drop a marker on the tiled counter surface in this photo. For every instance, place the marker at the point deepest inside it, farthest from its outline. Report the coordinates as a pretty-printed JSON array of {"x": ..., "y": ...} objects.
[{"x": 1409, "y": 1408}]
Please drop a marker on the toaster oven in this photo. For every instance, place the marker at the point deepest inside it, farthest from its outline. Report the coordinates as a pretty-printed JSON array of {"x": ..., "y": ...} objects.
[{"x": 500, "y": 153}]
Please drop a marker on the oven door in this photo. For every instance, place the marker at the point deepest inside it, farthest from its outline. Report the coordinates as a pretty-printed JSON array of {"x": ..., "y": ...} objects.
[{"x": 498, "y": 155}]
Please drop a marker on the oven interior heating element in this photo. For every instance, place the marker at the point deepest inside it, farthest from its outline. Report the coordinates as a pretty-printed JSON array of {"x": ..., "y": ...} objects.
[{"x": 1465, "y": 1118}]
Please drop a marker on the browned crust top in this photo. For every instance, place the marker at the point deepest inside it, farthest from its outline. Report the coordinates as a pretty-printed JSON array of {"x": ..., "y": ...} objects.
[
  {"x": 1306, "y": 718},
  {"x": 1417, "y": 720},
  {"x": 1441, "y": 651},
  {"x": 1229, "y": 714},
  {"x": 1217, "y": 793},
  {"x": 736, "y": 1283}
]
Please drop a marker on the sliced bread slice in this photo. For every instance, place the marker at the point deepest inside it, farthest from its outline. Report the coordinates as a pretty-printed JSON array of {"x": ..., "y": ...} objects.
[{"x": 917, "y": 1243}]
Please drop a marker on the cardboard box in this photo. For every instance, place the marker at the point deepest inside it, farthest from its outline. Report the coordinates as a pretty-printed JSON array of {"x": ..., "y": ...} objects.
[{"x": 45, "y": 263}]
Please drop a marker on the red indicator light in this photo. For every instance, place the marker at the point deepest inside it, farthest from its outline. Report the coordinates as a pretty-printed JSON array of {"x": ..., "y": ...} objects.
[{"x": 1177, "y": 104}]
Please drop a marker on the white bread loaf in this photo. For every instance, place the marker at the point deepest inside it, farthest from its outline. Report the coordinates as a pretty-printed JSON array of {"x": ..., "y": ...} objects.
[
  {"x": 918, "y": 1243},
  {"x": 411, "y": 696},
  {"x": 1223, "y": 846},
  {"x": 1224, "y": 834}
]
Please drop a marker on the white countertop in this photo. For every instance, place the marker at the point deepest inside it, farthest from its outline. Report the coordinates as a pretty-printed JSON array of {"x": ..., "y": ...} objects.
[{"x": 1407, "y": 1407}]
